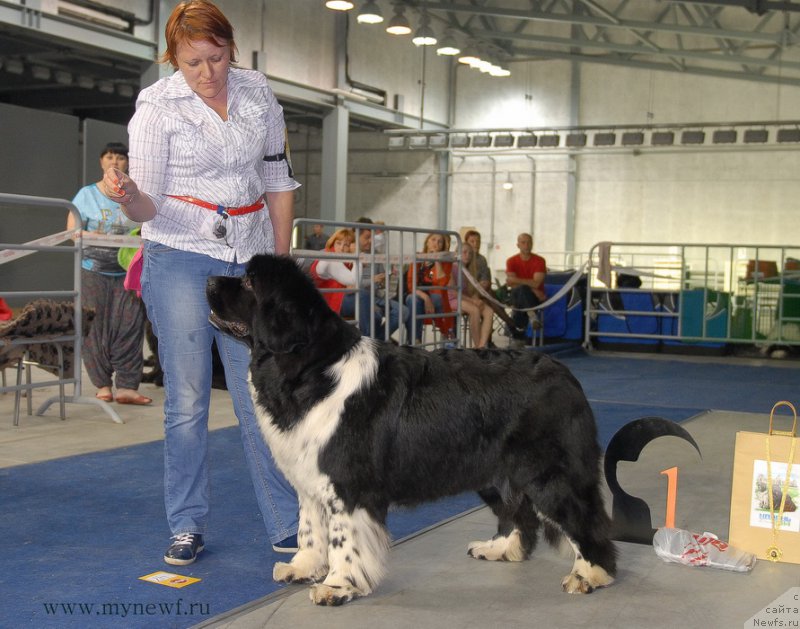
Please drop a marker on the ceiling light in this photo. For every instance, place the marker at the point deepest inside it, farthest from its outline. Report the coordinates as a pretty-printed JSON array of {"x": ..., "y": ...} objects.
[
  {"x": 724, "y": 136},
  {"x": 339, "y": 5},
  {"x": 125, "y": 90},
  {"x": 549, "y": 141},
  {"x": 437, "y": 141},
  {"x": 41, "y": 73},
  {"x": 15, "y": 66},
  {"x": 459, "y": 140},
  {"x": 86, "y": 82},
  {"x": 398, "y": 25},
  {"x": 499, "y": 71},
  {"x": 693, "y": 137},
  {"x": 107, "y": 87},
  {"x": 63, "y": 78},
  {"x": 424, "y": 35},
  {"x": 481, "y": 61},
  {"x": 448, "y": 46},
  {"x": 576, "y": 139},
  {"x": 486, "y": 65},
  {"x": 503, "y": 140},
  {"x": 632, "y": 138},
  {"x": 469, "y": 56},
  {"x": 605, "y": 138},
  {"x": 662, "y": 138},
  {"x": 370, "y": 13},
  {"x": 788, "y": 135},
  {"x": 508, "y": 184},
  {"x": 756, "y": 136},
  {"x": 482, "y": 140}
]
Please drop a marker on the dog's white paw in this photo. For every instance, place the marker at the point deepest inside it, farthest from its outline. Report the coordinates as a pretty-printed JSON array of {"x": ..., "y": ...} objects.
[
  {"x": 333, "y": 595},
  {"x": 499, "y": 548},
  {"x": 296, "y": 572},
  {"x": 575, "y": 583}
]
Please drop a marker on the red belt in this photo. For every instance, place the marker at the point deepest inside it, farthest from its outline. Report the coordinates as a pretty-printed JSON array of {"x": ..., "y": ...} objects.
[{"x": 220, "y": 209}]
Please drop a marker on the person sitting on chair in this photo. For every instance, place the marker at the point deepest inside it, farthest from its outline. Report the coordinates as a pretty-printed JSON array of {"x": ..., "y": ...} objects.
[
  {"x": 478, "y": 312},
  {"x": 329, "y": 274},
  {"x": 525, "y": 273},
  {"x": 429, "y": 273}
]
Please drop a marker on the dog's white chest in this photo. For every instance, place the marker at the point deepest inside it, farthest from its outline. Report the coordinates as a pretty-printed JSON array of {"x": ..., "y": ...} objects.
[{"x": 296, "y": 451}]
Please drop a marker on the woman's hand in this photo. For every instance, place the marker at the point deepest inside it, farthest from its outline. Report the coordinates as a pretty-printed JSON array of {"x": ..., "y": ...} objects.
[{"x": 118, "y": 187}]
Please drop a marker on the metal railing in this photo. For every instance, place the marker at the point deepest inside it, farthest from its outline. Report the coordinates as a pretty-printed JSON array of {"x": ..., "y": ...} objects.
[
  {"x": 68, "y": 243},
  {"x": 701, "y": 294},
  {"x": 399, "y": 251}
]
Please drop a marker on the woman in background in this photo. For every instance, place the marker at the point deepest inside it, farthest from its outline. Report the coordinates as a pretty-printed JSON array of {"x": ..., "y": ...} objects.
[
  {"x": 478, "y": 311},
  {"x": 428, "y": 274},
  {"x": 112, "y": 351},
  {"x": 332, "y": 274}
]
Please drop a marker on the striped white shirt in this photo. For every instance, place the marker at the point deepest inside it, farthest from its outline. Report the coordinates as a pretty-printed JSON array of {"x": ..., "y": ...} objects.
[{"x": 180, "y": 146}]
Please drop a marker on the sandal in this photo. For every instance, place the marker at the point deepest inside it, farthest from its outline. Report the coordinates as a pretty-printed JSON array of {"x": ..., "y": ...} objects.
[{"x": 138, "y": 400}]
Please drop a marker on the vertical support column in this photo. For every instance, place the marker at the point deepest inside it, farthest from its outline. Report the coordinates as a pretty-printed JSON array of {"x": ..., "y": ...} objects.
[
  {"x": 572, "y": 162},
  {"x": 335, "y": 126},
  {"x": 443, "y": 216},
  {"x": 333, "y": 203}
]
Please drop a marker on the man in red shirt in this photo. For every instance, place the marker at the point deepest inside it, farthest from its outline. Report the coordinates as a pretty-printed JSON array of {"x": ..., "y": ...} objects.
[{"x": 525, "y": 273}]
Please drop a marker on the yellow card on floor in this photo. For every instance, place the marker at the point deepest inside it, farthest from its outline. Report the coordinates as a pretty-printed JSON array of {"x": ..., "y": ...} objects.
[{"x": 169, "y": 579}]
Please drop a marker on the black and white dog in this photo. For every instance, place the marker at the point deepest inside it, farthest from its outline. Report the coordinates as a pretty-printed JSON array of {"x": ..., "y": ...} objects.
[{"x": 356, "y": 425}]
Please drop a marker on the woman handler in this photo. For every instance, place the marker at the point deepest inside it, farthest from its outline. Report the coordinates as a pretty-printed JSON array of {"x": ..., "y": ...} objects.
[{"x": 211, "y": 181}]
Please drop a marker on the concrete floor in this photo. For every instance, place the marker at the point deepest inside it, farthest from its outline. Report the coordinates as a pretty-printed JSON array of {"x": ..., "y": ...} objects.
[{"x": 433, "y": 583}]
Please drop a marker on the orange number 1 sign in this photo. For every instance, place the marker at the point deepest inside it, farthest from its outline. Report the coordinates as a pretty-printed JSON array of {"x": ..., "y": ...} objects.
[{"x": 672, "y": 495}]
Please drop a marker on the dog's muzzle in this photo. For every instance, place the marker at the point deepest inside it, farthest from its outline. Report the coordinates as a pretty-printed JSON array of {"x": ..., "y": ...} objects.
[{"x": 234, "y": 328}]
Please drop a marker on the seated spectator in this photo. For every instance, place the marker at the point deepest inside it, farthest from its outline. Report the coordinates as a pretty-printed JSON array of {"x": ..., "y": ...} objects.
[
  {"x": 525, "y": 273},
  {"x": 317, "y": 239},
  {"x": 483, "y": 275},
  {"x": 477, "y": 310},
  {"x": 376, "y": 273},
  {"x": 328, "y": 274},
  {"x": 424, "y": 300}
]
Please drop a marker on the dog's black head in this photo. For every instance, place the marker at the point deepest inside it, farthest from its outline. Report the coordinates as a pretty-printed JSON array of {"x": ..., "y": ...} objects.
[{"x": 275, "y": 307}]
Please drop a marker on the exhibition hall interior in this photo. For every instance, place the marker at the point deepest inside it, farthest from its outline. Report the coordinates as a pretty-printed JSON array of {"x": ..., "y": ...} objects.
[{"x": 649, "y": 153}]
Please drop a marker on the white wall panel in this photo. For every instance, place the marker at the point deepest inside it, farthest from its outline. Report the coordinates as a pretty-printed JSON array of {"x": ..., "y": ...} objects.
[
  {"x": 535, "y": 95},
  {"x": 612, "y": 95}
]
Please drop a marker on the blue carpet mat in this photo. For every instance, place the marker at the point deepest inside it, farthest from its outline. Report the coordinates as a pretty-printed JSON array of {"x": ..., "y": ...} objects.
[{"x": 77, "y": 533}]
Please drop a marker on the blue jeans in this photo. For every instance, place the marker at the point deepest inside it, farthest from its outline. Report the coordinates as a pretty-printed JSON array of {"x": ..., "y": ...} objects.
[
  {"x": 364, "y": 311},
  {"x": 413, "y": 299},
  {"x": 174, "y": 292},
  {"x": 397, "y": 314}
]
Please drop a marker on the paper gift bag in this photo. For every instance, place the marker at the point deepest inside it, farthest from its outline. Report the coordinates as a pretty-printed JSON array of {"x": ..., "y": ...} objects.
[{"x": 765, "y": 498}]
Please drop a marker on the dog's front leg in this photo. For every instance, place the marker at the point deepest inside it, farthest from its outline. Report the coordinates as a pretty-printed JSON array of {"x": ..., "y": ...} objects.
[
  {"x": 310, "y": 563},
  {"x": 357, "y": 551}
]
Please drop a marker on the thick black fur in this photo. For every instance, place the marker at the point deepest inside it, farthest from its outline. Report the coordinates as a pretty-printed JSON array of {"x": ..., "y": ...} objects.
[{"x": 514, "y": 426}]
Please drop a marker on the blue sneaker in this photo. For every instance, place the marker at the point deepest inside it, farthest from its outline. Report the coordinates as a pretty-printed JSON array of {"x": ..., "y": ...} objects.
[
  {"x": 287, "y": 545},
  {"x": 184, "y": 549}
]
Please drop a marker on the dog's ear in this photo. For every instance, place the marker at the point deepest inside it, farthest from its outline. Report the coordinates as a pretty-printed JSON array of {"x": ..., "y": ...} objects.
[
  {"x": 283, "y": 323},
  {"x": 284, "y": 334}
]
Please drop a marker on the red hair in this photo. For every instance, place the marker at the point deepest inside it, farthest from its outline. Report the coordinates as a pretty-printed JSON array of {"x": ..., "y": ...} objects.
[{"x": 197, "y": 20}]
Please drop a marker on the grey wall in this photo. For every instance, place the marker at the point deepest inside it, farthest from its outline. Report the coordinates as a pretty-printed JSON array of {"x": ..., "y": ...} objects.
[{"x": 44, "y": 156}]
